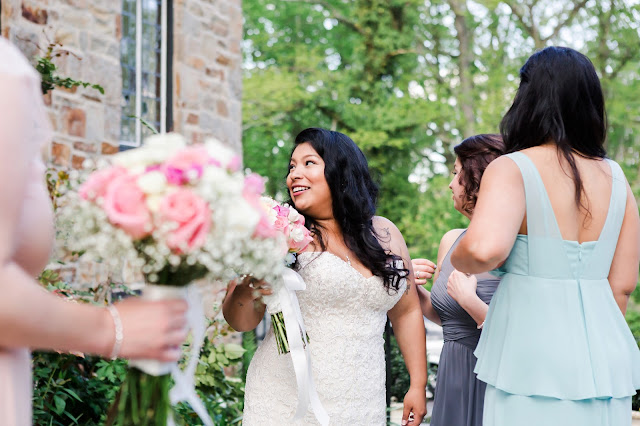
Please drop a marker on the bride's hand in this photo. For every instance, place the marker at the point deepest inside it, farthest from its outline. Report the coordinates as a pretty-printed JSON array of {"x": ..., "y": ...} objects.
[
  {"x": 415, "y": 406},
  {"x": 249, "y": 286}
]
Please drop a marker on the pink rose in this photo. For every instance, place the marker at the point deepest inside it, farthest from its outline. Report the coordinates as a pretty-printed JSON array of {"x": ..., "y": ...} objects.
[
  {"x": 190, "y": 159},
  {"x": 234, "y": 164},
  {"x": 192, "y": 216},
  {"x": 282, "y": 211},
  {"x": 96, "y": 186},
  {"x": 299, "y": 238},
  {"x": 253, "y": 187},
  {"x": 264, "y": 228},
  {"x": 282, "y": 225},
  {"x": 300, "y": 221},
  {"x": 125, "y": 206}
]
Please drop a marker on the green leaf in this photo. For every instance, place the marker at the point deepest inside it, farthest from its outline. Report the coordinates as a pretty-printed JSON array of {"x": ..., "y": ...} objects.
[
  {"x": 233, "y": 350},
  {"x": 72, "y": 393},
  {"x": 222, "y": 359},
  {"x": 60, "y": 404}
]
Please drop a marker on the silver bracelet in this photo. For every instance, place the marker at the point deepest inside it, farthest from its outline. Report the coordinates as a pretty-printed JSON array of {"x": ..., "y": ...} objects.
[
  {"x": 117, "y": 323},
  {"x": 481, "y": 325}
]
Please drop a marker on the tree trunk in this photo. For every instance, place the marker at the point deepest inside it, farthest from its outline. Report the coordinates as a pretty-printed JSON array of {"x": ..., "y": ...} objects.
[{"x": 465, "y": 61}]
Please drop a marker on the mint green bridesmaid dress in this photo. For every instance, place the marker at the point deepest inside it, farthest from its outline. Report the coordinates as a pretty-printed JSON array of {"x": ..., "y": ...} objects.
[{"x": 555, "y": 349}]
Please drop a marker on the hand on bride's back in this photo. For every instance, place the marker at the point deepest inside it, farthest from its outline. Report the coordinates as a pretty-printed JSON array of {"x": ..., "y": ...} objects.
[{"x": 153, "y": 330}]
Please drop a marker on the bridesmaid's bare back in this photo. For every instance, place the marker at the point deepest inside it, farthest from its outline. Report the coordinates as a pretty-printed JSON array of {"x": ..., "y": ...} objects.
[{"x": 576, "y": 224}]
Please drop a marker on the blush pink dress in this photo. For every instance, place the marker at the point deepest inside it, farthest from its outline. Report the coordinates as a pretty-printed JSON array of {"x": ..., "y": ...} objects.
[{"x": 31, "y": 242}]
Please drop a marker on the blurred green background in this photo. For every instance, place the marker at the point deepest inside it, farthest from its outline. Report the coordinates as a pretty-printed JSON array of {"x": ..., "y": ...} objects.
[{"x": 409, "y": 79}]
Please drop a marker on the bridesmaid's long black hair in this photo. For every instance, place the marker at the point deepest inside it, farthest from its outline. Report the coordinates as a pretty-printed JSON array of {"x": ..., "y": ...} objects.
[
  {"x": 559, "y": 100},
  {"x": 354, "y": 196}
]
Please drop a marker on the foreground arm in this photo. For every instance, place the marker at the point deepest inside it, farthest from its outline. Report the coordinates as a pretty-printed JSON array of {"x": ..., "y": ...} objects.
[
  {"x": 623, "y": 275},
  {"x": 408, "y": 327},
  {"x": 30, "y": 316},
  {"x": 496, "y": 220}
]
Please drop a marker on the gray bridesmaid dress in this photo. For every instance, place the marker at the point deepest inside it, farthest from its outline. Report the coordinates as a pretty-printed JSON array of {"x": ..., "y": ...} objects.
[{"x": 459, "y": 395}]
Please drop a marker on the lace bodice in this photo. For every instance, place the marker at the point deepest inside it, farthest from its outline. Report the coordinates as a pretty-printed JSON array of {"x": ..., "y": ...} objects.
[{"x": 344, "y": 314}]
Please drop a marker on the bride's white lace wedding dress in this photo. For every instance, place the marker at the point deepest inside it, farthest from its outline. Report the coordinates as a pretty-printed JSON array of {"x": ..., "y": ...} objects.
[{"x": 345, "y": 315}]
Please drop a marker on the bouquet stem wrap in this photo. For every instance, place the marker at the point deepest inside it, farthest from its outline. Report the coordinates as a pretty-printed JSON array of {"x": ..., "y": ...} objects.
[
  {"x": 285, "y": 298},
  {"x": 153, "y": 378}
]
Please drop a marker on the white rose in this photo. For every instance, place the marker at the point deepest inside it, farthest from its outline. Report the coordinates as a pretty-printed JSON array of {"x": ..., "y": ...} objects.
[
  {"x": 293, "y": 215},
  {"x": 153, "y": 202},
  {"x": 215, "y": 177},
  {"x": 133, "y": 159},
  {"x": 297, "y": 234},
  {"x": 241, "y": 220},
  {"x": 153, "y": 182},
  {"x": 219, "y": 151}
]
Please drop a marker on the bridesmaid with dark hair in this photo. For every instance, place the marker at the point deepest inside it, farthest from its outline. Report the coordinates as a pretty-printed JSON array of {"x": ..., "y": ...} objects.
[{"x": 459, "y": 302}]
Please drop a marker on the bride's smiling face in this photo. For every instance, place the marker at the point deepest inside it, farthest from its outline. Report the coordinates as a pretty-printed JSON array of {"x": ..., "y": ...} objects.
[{"x": 307, "y": 184}]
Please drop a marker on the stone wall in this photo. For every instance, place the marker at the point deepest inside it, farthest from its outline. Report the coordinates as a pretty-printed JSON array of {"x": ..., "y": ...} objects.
[
  {"x": 207, "y": 79},
  {"x": 207, "y": 68}
]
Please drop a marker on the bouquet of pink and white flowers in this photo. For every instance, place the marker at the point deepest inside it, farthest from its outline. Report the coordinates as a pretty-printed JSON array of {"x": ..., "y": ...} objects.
[
  {"x": 178, "y": 213},
  {"x": 287, "y": 221}
]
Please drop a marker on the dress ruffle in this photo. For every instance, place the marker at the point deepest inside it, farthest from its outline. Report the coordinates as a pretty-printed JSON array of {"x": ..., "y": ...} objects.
[{"x": 583, "y": 350}]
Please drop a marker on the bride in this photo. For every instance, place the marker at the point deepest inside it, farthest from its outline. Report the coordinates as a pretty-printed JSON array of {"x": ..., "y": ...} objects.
[{"x": 357, "y": 271}]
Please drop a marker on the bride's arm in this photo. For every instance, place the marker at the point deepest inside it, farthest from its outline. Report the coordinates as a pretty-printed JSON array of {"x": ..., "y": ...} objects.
[
  {"x": 408, "y": 326},
  {"x": 241, "y": 307}
]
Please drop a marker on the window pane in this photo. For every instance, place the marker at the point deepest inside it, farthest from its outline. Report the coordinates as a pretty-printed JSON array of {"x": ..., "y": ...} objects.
[{"x": 149, "y": 68}]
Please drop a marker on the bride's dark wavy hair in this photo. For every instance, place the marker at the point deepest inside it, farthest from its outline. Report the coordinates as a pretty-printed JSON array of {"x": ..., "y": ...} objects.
[
  {"x": 354, "y": 196},
  {"x": 559, "y": 100}
]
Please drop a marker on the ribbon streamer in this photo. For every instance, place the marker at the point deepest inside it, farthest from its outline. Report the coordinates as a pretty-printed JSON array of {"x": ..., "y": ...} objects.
[
  {"x": 297, "y": 338},
  {"x": 184, "y": 388}
]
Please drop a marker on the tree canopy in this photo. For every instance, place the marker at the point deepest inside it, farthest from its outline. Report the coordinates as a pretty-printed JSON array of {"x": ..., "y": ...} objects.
[{"x": 409, "y": 79}]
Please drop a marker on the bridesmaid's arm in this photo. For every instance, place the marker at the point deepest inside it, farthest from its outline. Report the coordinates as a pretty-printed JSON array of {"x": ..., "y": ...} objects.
[
  {"x": 419, "y": 265},
  {"x": 408, "y": 326},
  {"x": 463, "y": 289},
  {"x": 426, "y": 307},
  {"x": 623, "y": 275},
  {"x": 496, "y": 221}
]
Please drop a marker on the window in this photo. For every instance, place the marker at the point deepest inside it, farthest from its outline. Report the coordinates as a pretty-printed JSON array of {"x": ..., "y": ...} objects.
[{"x": 144, "y": 53}]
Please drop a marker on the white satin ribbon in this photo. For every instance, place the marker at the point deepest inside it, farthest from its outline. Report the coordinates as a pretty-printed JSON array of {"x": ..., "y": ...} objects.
[
  {"x": 184, "y": 388},
  {"x": 297, "y": 338}
]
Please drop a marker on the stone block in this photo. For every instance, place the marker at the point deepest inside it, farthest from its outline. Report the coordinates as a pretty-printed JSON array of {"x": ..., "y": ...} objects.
[
  {"x": 195, "y": 62},
  {"x": 107, "y": 73},
  {"x": 216, "y": 73},
  {"x": 112, "y": 118},
  {"x": 109, "y": 149},
  {"x": 74, "y": 122},
  {"x": 61, "y": 154},
  {"x": 34, "y": 14},
  {"x": 95, "y": 123},
  {"x": 192, "y": 118},
  {"x": 90, "y": 148},
  {"x": 105, "y": 45},
  {"x": 221, "y": 107},
  {"x": 77, "y": 161}
]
